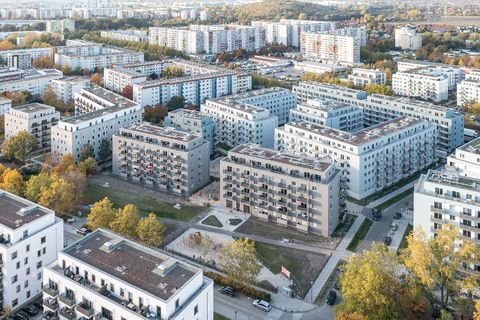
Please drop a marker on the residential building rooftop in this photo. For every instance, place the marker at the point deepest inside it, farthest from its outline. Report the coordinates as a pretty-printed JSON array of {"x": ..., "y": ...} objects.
[
  {"x": 471, "y": 147},
  {"x": 161, "y": 132},
  {"x": 16, "y": 212},
  {"x": 33, "y": 107}
]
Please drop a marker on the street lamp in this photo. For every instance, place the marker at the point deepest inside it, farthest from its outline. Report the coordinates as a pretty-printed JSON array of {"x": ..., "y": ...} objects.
[{"x": 235, "y": 315}]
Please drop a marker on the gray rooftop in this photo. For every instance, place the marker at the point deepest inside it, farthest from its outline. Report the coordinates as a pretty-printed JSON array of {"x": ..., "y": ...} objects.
[
  {"x": 33, "y": 107},
  {"x": 161, "y": 132},
  {"x": 471, "y": 147},
  {"x": 15, "y": 211}
]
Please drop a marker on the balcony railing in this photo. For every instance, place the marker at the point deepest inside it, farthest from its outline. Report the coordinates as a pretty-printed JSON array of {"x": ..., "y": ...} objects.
[
  {"x": 51, "y": 304},
  {"x": 68, "y": 313},
  {"x": 84, "y": 310},
  {"x": 69, "y": 301},
  {"x": 50, "y": 291}
]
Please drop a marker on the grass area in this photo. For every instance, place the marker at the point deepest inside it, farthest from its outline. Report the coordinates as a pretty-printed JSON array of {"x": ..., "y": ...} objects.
[
  {"x": 396, "y": 186},
  {"x": 360, "y": 235},
  {"x": 212, "y": 221},
  {"x": 403, "y": 243},
  {"x": 303, "y": 266},
  {"x": 265, "y": 284},
  {"x": 146, "y": 204},
  {"x": 395, "y": 199},
  {"x": 234, "y": 221},
  {"x": 344, "y": 226},
  {"x": 224, "y": 146},
  {"x": 334, "y": 276},
  {"x": 218, "y": 316}
]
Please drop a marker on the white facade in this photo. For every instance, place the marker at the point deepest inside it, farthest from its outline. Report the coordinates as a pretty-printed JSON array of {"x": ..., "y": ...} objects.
[
  {"x": 317, "y": 67},
  {"x": 22, "y": 58},
  {"x": 60, "y": 26},
  {"x": 329, "y": 113},
  {"x": 371, "y": 159},
  {"x": 407, "y": 38},
  {"x": 468, "y": 90},
  {"x": 32, "y": 80},
  {"x": 361, "y": 77},
  {"x": 31, "y": 236},
  {"x": 418, "y": 85},
  {"x": 5, "y": 105},
  {"x": 115, "y": 278},
  {"x": 35, "y": 118},
  {"x": 66, "y": 88},
  {"x": 454, "y": 74},
  {"x": 100, "y": 113},
  {"x": 117, "y": 78},
  {"x": 126, "y": 35}
]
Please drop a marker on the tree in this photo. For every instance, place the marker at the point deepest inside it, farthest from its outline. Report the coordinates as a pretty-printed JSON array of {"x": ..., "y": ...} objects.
[
  {"x": 7, "y": 312},
  {"x": 349, "y": 316},
  {"x": 172, "y": 72},
  {"x": 19, "y": 98},
  {"x": 240, "y": 262},
  {"x": 126, "y": 221},
  {"x": 19, "y": 146},
  {"x": 101, "y": 214},
  {"x": 476, "y": 313},
  {"x": 105, "y": 151},
  {"x": 302, "y": 16},
  {"x": 150, "y": 231},
  {"x": 12, "y": 181},
  {"x": 2, "y": 126},
  {"x": 372, "y": 88},
  {"x": 86, "y": 152},
  {"x": 6, "y": 45},
  {"x": 176, "y": 102},
  {"x": 35, "y": 185},
  {"x": 127, "y": 92},
  {"x": 59, "y": 196},
  {"x": 426, "y": 259},
  {"x": 67, "y": 70},
  {"x": 49, "y": 97},
  {"x": 88, "y": 166},
  {"x": 155, "y": 114},
  {"x": 371, "y": 288},
  {"x": 96, "y": 79}
]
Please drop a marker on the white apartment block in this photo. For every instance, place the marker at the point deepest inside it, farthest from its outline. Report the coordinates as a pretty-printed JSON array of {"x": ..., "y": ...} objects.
[
  {"x": 371, "y": 159},
  {"x": 407, "y": 38},
  {"x": 125, "y": 35},
  {"x": 5, "y": 105},
  {"x": 419, "y": 85},
  {"x": 100, "y": 114},
  {"x": 31, "y": 80},
  {"x": 162, "y": 157},
  {"x": 361, "y": 77},
  {"x": 330, "y": 47},
  {"x": 66, "y": 87},
  {"x": 238, "y": 123},
  {"x": 289, "y": 190},
  {"x": 329, "y": 113},
  {"x": 105, "y": 276},
  {"x": 117, "y": 78},
  {"x": 195, "y": 89},
  {"x": 22, "y": 58},
  {"x": 288, "y": 31},
  {"x": 60, "y": 26},
  {"x": 454, "y": 74},
  {"x": 466, "y": 160},
  {"x": 379, "y": 108},
  {"x": 468, "y": 90},
  {"x": 30, "y": 239},
  {"x": 193, "y": 121},
  {"x": 35, "y": 118},
  {"x": 92, "y": 56},
  {"x": 317, "y": 67}
]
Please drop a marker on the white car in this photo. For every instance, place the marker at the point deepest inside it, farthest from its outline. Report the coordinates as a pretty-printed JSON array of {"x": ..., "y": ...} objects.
[
  {"x": 262, "y": 305},
  {"x": 394, "y": 227}
]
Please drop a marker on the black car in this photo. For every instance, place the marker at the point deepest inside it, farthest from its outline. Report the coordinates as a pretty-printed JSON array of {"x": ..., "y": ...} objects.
[
  {"x": 397, "y": 215},
  {"x": 30, "y": 310},
  {"x": 228, "y": 291},
  {"x": 387, "y": 241},
  {"x": 38, "y": 304},
  {"x": 376, "y": 214},
  {"x": 20, "y": 316},
  {"x": 331, "y": 297}
]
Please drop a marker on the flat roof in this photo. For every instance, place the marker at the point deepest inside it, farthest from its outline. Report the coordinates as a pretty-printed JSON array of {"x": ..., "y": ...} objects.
[
  {"x": 156, "y": 83},
  {"x": 192, "y": 114},
  {"x": 33, "y": 107},
  {"x": 453, "y": 179},
  {"x": 146, "y": 269},
  {"x": 326, "y": 104},
  {"x": 162, "y": 132},
  {"x": 471, "y": 147},
  {"x": 16, "y": 212}
]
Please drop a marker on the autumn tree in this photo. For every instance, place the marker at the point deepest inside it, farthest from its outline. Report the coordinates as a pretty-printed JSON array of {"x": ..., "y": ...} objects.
[
  {"x": 20, "y": 98},
  {"x": 44, "y": 63},
  {"x": 150, "y": 231},
  {"x": 96, "y": 79},
  {"x": 374, "y": 88},
  {"x": 6, "y": 45},
  {"x": 101, "y": 214},
  {"x": 86, "y": 151},
  {"x": 476, "y": 313},
  {"x": 349, "y": 316},
  {"x": 88, "y": 166},
  {"x": 12, "y": 181},
  {"x": 126, "y": 221},
  {"x": 127, "y": 92},
  {"x": 371, "y": 287},
  {"x": 426, "y": 260},
  {"x": 155, "y": 114},
  {"x": 59, "y": 196},
  {"x": 49, "y": 97},
  {"x": 67, "y": 70},
  {"x": 19, "y": 146},
  {"x": 36, "y": 184},
  {"x": 240, "y": 262},
  {"x": 172, "y": 72}
]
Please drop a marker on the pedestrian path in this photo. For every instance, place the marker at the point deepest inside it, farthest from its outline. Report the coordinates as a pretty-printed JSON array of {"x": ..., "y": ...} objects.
[
  {"x": 340, "y": 254},
  {"x": 392, "y": 194}
]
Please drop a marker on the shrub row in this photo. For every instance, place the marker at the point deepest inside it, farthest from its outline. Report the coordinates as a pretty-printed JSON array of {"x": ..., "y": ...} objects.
[{"x": 245, "y": 289}]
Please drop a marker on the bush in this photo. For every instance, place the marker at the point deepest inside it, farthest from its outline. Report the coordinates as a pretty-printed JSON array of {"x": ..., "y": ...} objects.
[{"x": 247, "y": 290}]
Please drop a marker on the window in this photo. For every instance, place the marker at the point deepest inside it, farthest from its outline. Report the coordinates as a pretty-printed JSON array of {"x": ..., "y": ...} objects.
[
  {"x": 18, "y": 264},
  {"x": 44, "y": 250},
  {"x": 44, "y": 238},
  {"x": 14, "y": 303},
  {"x": 18, "y": 289},
  {"x": 39, "y": 264},
  {"x": 28, "y": 248},
  {"x": 39, "y": 275},
  {"x": 195, "y": 310},
  {"x": 28, "y": 294},
  {"x": 14, "y": 255},
  {"x": 25, "y": 284},
  {"x": 39, "y": 253},
  {"x": 25, "y": 233},
  {"x": 177, "y": 304},
  {"x": 28, "y": 271},
  {"x": 14, "y": 278}
]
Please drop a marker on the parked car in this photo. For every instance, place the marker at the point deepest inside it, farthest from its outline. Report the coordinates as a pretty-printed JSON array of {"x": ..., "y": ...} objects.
[
  {"x": 376, "y": 214},
  {"x": 38, "y": 304},
  {"x": 394, "y": 226},
  {"x": 30, "y": 310},
  {"x": 331, "y": 297},
  {"x": 397, "y": 215},
  {"x": 228, "y": 291},
  {"x": 82, "y": 231},
  {"x": 262, "y": 305},
  {"x": 387, "y": 241},
  {"x": 20, "y": 316}
]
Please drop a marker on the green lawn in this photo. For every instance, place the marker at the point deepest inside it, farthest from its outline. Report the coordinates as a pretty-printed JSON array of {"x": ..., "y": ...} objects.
[
  {"x": 395, "y": 199},
  {"x": 360, "y": 235},
  {"x": 403, "y": 243},
  {"x": 146, "y": 204},
  {"x": 218, "y": 316},
  {"x": 234, "y": 221},
  {"x": 212, "y": 221},
  {"x": 342, "y": 228}
]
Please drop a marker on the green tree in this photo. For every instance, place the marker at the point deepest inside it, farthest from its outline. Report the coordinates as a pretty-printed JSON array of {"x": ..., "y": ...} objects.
[
  {"x": 19, "y": 146},
  {"x": 12, "y": 181},
  {"x": 105, "y": 151},
  {"x": 35, "y": 185},
  {"x": 155, "y": 114},
  {"x": 372, "y": 88},
  {"x": 88, "y": 166},
  {"x": 101, "y": 214},
  {"x": 126, "y": 221},
  {"x": 86, "y": 152},
  {"x": 59, "y": 196},
  {"x": 176, "y": 102},
  {"x": 150, "y": 231},
  {"x": 172, "y": 72},
  {"x": 239, "y": 261}
]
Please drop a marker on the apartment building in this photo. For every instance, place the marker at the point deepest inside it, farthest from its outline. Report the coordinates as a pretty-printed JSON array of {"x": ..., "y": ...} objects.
[
  {"x": 105, "y": 276},
  {"x": 468, "y": 90},
  {"x": 65, "y": 88},
  {"x": 125, "y": 35},
  {"x": 31, "y": 80},
  {"x": 407, "y": 38},
  {"x": 30, "y": 238},
  {"x": 60, "y": 26},
  {"x": 35, "y": 118},
  {"x": 379, "y": 108},
  {"x": 162, "y": 157},
  {"x": 371, "y": 159},
  {"x": 288, "y": 31},
  {"x": 193, "y": 121},
  {"x": 93, "y": 56},
  {"x": 329, "y": 113},
  {"x": 289, "y": 190},
  {"x": 5, "y": 105},
  {"x": 99, "y": 114},
  {"x": 433, "y": 87},
  {"x": 117, "y": 78},
  {"x": 22, "y": 58},
  {"x": 454, "y": 74},
  {"x": 361, "y": 76},
  {"x": 195, "y": 89}
]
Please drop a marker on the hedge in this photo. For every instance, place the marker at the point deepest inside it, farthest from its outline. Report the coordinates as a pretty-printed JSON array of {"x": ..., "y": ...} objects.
[{"x": 247, "y": 290}]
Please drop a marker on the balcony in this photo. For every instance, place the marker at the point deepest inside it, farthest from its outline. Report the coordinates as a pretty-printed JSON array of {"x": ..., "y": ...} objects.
[
  {"x": 85, "y": 310},
  {"x": 68, "y": 313},
  {"x": 50, "y": 291},
  {"x": 50, "y": 303},
  {"x": 69, "y": 301}
]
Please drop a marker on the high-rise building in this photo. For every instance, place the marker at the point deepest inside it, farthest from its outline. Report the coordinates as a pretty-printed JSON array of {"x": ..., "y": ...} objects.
[
  {"x": 31, "y": 80},
  {"x": 65, "y": 88},
  {"x": 331, "y": 47},
  {"x": 407, "y": 38}
]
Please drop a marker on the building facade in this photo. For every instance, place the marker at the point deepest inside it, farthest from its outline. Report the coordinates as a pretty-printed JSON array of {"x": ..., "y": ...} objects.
[
  {"x": 407, "y": 38},
  {"x": 468, "y": 90},
  {"x": 433, "y": 87},
  {"x": 31, "y": 80},
  {"x": 361, "y": 77},
  {"x": 125, "y": 35},
  {"x": 22, "y": 58},
  {"x": 66, "y": 87},
  {"x": 5, "y": 105},
  {"x": 60, "y": 26},
  {"x": 117, "y": 78}
]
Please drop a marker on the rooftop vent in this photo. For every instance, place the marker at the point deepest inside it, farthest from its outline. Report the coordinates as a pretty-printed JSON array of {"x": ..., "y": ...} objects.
[{"x": 165, "y": 267}]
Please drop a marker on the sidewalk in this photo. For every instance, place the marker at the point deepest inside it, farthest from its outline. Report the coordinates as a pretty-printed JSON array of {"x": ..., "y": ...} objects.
[
  {"x": 392, "y": 194},
  {"x": 340, "y": 254}
]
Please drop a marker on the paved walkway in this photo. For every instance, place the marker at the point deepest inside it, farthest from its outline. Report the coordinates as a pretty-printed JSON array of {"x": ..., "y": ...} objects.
[
  {"x": 392, "y": 194},
  {"x": 340, "y": 254}
]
